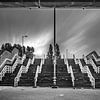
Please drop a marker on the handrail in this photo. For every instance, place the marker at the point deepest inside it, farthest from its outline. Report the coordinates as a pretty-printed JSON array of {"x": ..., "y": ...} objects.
[
  {"x": 85, "y": 59},
  {"x": 40, "y": 67},
  {"x": 96, "y": 59},
  {"x": 15, "y": 64},
  {"x": 17, "y": 78},
  {"x": 72, "y": 76},
  {"x": 33, "y": 60},
  {"x": 68, "y": 68},
  {"x": 80, "y": 65},
  {"x": 36, "y": 76},
  {"x": 75, "y": 60},
  {"x": 3, "y": 67},
  {"x": 2, "y": 73},
  {"x": 43, "y": 60},
  {"x": 23, "y": 58},
  {"x": 7, "y": 59},
  {"x": 27, "y": 66},
  {"x": 4, "y": 62},
  {"x": 94, "y": 66},
  {"x": 92, "y": 79}
]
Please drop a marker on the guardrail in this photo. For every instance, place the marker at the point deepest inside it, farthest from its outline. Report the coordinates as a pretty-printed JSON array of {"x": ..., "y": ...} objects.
[
  {"x": 15, "y": 64},
  {"x": 17, "y": 78},
  {"x": 27, "y": 66},
  {"x": 66, "y": 62},
  {"x": 36, "y": 76},
  {"x": 23, "y": 58},
  {"x": 33, "y": 60},
  {"x": 40, "y": 67},
  {"x": 72, "y": 76},
  {"x": 94, "y": 66},
  {"x": 92, "y": 79},
  {"x": 2, "y": 73},
  {"x": 6, "y": 68},
  {"x": 81, "y": 67}
]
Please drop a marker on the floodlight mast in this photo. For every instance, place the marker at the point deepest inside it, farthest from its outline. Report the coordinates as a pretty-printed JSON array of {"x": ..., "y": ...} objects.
[{"x": 54, "y": 77}]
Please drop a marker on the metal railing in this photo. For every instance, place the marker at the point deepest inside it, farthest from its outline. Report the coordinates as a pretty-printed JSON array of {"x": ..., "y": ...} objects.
[
  {"x": 66, "y": 62},
  {"x": 27, "y": 66},
  {"x": 94, "y": 66},
  {"x": 92, "y": 79},
  {"x": 17, "y": 78},
  {"x": 72, "y": 76},
  {"x": 40, "y": 67},
  {"x": 36, "y": 76},
  {"x": 80, "y": 65}
]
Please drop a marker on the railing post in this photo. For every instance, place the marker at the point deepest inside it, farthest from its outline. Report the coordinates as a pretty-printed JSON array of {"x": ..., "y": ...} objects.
[
  {"x": 92, "y": 80},
  {"x": 36, "y": 76},
  {"x": 72, "y": 76}
]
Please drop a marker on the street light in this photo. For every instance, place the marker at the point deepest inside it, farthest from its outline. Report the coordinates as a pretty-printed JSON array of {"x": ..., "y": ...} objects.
[{"x": 23, "y": 36}]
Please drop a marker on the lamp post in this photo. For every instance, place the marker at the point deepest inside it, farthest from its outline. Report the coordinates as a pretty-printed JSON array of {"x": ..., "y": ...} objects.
[
  {"x": 23, "y": 36},
  {"x": 54, "y": 76}
]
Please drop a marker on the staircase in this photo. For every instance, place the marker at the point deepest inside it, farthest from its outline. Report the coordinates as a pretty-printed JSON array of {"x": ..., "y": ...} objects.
[
  {"x": 8, "y": 79},
  {"x": 62, "y": 75},
  {"x": 95, "y": 75},
  {"x": 83, "y": 62},
  {"x": 81, "y": 79},
  {"x": 27, "y": 79},
  {"x": 45, "y": 78}
]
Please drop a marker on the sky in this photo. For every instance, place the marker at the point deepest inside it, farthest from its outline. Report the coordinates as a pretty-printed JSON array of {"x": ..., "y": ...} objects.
[{"x": 77, "y": 30}]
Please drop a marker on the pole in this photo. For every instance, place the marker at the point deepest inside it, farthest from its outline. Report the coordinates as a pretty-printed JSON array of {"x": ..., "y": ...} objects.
[
  {"x": 54, "y": 28},
  {"x": 22, "y": 44},
  {"x": 54, "y": 77}
]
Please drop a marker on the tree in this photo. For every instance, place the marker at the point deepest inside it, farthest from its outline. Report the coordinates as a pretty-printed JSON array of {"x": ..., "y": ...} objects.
[
  {"x": 23, "y": 49},
  {"x": 28, "y": 49},
  {"x": 18, "y": 46},
  {"x": 50, "y": 52},
  {"x": 3, "y": 47},
  {"x": 29, "y": 53},
  {"x": 8, "y": 47},
  {"x": 57, "y": 51},
  {"x": 32, "y": 49}
]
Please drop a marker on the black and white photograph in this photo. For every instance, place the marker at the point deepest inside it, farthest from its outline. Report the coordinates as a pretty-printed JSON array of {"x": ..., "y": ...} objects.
[{"x": 49, "y": 50}]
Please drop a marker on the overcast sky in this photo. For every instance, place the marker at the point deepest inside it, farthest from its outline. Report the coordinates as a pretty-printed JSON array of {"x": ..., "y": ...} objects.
[{"x": 77, "y": 30}]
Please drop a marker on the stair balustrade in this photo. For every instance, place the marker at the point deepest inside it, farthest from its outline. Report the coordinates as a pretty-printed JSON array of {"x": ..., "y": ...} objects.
[
  {"x": 2, "y": 73},
  {"x": 33, "y": 60},
  {"x": 98, "y": 69},
  {"x": 76, "y": 61},
  {"x": 27, "y": 66},
  {"x": 92, "y": 79},
  {"x": 40, "y": 68},
  {"x": 15, "y": 64},
  {"x": 4, "y": 68},
  {"x": 86, "y": 61},
  {"x": 80, "y": 65},
  {"x": 17, "y": 78},
  {"x": 68, "y": 68},
  {"x": 94, "y": 66},
  {"x": 96, "y": 59},
  {"x": 36, "y": 76},
  {"x": 23, "y": 58},
  {"x": 72, "y": 76}
]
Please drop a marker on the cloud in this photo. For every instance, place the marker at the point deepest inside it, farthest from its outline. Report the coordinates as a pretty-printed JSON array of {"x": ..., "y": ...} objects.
[
  {"x": 40, "y": 42},
  {"x": 78, "y": 37}
]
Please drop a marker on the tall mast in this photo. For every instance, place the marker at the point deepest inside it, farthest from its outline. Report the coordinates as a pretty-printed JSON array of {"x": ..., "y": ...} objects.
[
  {"x": 54, "y": 28},
  {"x": 54, "y": 76}
]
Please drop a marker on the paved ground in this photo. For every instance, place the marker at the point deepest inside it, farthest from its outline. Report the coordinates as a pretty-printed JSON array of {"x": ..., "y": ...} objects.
[{"x": 29, "y": 93}]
